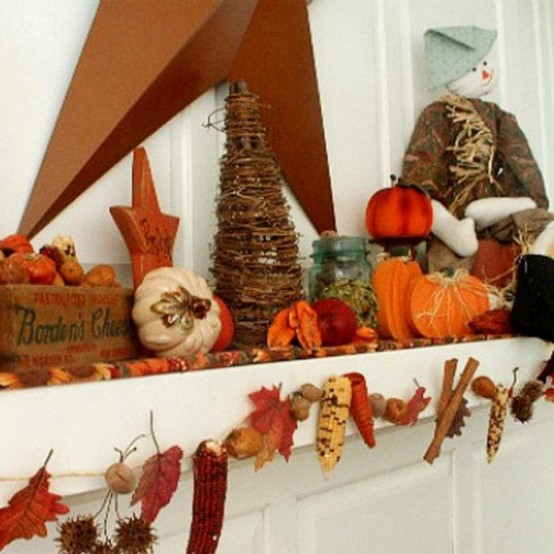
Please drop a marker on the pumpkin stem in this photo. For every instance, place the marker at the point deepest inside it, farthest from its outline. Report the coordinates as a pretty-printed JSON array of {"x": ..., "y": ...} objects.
[
  {"x": 393, "y": 180},
  {"x": 449, "y": 272}
]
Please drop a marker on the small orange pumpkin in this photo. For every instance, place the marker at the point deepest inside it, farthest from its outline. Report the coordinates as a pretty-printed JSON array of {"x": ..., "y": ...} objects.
[
  {"x": 398, "y": 212},
  {"x": 16, "y": 243},
  {"x": 11, "y": 273},
  {"x": 390, "y": 281},
  {"x": 41, "y": 269},
  {"x": 441, "y": 305}
]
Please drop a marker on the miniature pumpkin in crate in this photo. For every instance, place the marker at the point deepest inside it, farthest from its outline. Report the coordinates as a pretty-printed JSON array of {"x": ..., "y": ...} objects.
[
  {"x": 390, "y": 281},
  {"x": 399, "y": 212},
  {"x": 16, "y": 243},
  {"x": 11, "y": 273},
  {"x": 41, "y": 269},
  {"x": 175, "y": 312},
  {"x": 443, "y": 304}
]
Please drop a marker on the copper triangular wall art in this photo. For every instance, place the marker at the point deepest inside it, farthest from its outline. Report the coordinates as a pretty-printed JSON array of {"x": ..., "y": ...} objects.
[{"x": 145, "y": 61}]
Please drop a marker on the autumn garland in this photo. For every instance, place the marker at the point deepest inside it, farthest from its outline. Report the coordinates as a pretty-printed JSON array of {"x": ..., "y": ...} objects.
[{"x": 268, "y": 429}]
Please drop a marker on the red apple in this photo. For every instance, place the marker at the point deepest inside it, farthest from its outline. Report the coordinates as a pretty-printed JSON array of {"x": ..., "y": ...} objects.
[
  {"x": 336, "y": 321},
  {"x": 225, "y": 337}
]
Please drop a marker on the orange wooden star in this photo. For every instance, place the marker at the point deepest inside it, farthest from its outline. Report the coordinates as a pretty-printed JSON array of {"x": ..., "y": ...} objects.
[
  {"x": 148, "y": 233},
  {"x": 145, "y": 61}
]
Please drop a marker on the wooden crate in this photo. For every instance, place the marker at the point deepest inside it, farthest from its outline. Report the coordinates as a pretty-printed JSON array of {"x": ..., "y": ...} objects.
[{"x": 44, "y": 326}]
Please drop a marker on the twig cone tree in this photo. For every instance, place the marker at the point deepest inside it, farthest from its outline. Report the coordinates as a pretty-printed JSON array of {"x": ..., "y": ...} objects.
[{"x": 255, "y": 254}]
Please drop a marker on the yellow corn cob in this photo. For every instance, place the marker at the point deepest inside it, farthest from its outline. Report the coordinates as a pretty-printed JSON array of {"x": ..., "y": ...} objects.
[
  {"x": 333, "y": 414},
  {"x": 497, "y": 417}
]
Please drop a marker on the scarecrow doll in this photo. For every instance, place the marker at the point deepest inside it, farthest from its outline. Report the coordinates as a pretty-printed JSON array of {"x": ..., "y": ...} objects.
[{"x": 470, "y": 155}]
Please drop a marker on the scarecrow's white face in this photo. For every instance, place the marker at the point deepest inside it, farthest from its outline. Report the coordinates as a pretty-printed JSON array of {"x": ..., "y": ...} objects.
[{"x": 480, "y": 80}]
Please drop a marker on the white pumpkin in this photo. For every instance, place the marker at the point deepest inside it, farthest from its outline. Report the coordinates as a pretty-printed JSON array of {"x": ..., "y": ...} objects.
[{"x": 175, "y": 312}]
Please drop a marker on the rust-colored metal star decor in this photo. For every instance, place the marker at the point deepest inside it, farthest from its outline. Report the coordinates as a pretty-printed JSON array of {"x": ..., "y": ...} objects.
[
  {"x": 145, "y": 61},
  {"x": 148, "y": 233}
]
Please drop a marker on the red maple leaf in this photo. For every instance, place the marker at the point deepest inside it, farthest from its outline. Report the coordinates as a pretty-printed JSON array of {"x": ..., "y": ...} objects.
[
  {"x": 29, "y": 509},
  {"x": 273, "y": 419},
  {"x": 417, "y": 403},
  {"x": 158, "y": 482}
]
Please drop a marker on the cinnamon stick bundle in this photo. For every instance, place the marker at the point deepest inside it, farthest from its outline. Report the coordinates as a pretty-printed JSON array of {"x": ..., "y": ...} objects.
[{"x": 449, "y": 403}]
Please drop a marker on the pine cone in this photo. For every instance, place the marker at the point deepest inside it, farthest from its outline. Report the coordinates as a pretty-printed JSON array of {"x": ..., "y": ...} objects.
[{"x": 458, "y": 422}]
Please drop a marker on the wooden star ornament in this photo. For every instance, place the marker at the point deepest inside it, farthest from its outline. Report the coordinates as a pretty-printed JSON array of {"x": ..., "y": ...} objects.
[
  {"x": 144, "y": 61},
  {"x": 148, "y": 233}
]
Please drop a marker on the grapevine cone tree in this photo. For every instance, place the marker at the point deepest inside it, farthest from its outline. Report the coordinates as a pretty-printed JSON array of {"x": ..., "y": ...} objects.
[{"x": 255, "y": 255}]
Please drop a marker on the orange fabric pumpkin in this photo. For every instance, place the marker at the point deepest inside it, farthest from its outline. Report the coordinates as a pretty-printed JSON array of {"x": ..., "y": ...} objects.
[
  {"x": 401, "y": 211},
  {"x": 390, "y": 281},
  {"x": 41, "y": 269},
  {"x": 442, "y": 306}
]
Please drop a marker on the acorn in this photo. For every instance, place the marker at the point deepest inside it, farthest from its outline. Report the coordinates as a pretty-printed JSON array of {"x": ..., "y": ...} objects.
[
  {"x": 311, "y": 392},
  {"x": 378, "y": 404},
  {"x": 300, "y": 407},
  {"x": 120, "y": 478},
  {"x": 243, "y": 442},
  {"x": 396, "y": 410}
]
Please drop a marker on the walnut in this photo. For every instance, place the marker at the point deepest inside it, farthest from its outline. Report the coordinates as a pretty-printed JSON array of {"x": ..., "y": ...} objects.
[{"x": 102, "y": 275}]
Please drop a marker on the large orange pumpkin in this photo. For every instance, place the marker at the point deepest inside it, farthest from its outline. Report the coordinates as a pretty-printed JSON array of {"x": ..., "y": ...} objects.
[
  {"x": 442, "y": 306},
  {"x": 399, "y": 212},
  {"x": 390, "y": 281}
]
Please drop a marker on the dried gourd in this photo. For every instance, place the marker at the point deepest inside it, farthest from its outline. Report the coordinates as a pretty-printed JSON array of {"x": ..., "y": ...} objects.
[{"x": 333, "y": 414}]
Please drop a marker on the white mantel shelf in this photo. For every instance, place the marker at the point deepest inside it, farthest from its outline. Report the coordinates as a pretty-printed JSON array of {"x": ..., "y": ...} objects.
[{"x": 83, "y": 423}]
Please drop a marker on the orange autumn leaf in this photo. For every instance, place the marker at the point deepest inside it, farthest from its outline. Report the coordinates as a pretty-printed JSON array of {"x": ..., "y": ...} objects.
[
  {"x": 273, "y": 419},
  {"x": 29, "y": 510},
  {"x": 158, "y": 482}
]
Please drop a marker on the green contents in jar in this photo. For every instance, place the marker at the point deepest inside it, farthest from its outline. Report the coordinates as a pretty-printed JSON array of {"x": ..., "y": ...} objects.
[
  {"x": 358, "y": 295},
  {"x": 341, "y": 270}
]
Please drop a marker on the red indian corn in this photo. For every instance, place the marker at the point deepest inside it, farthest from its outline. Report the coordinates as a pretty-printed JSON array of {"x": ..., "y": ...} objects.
[{"x": 210, "y": 488}]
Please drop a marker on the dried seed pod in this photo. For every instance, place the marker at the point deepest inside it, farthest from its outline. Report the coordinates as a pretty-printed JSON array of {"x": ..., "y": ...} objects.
[
  {"x": 134, "y": 535},
  {"x": 300, "y": 407},
  {"x": 378, "y": 404},
  {"x": 78, "y": 534},
  {"x": 243, "y": 442},
  {"x": 521, "y": 408},
  {"x": 396, "y": 411},
  {"x": 484, "y": 387},
  {"x": 311, "y": 392},
  {"x": 120, "y": 478},
  {"x": 534, "y": 389}
]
